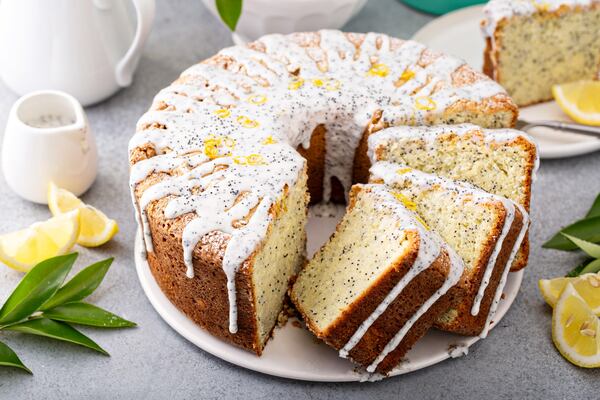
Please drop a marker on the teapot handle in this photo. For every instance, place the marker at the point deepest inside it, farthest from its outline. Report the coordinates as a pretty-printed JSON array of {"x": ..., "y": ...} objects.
[{"x": 144, "y": 10}]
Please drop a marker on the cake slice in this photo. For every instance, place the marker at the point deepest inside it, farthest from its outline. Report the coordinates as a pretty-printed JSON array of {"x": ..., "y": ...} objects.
[
  {"x": 499, "y": 161},
  {"x": 532, "y": 45},
  {"x": 486, "y": 230},
  {"x": 379, "y": 283},
  {"x": 250, "y": 298}
]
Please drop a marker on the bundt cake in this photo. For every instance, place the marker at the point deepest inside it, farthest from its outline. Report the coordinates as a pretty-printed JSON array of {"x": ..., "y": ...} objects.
[
  {"x": 221, "y": 161},
  {"x": 500, "y": 161},
  {"x": 534, "y": 44},
  {"x": 379, "y": 283},
  {"x": 485, "y": 230}
]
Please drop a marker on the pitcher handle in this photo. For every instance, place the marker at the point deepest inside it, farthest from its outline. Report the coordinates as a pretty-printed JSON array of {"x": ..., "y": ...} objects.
[{"x": 144, "y": 10}]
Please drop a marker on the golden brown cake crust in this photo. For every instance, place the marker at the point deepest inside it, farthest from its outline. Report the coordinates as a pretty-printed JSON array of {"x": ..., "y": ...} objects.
[
  {"x": 523, "y": 256},
  {"x": 488, "y": 66},
  {"x": 315, "y": 163},
  {"x": 465, "y": 323},
  {"x": 202, "y": 298}
]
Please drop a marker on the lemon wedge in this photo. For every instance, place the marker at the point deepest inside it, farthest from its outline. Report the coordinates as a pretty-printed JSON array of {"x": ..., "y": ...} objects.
[
  {"x": 96, "y": 227},
  {"x": 22, "y": 250},
  {"x": 587, "y": 285},
  {"x": 576, "y": 329},
  {"x": 579, "y": 100}
]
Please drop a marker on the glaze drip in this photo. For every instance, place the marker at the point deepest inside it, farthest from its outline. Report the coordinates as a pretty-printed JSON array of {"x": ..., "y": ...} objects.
[
  {"x": 456, "y": 270},
  {"x": 498, "y": 294}
]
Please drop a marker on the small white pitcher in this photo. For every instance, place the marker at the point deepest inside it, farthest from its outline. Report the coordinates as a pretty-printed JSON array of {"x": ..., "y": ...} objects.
[
  {"x": 48, "y": 139},
  {"x": 87, "y": 48}
]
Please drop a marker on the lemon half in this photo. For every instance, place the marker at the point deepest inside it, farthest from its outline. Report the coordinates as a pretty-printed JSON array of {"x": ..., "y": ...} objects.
[
  {"x": 96, "y": 227},
  {"x": 22, "y": 250}
]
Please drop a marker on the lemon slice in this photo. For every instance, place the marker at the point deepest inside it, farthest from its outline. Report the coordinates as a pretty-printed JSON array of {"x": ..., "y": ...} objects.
[
  {"x": 576, "y": 330},
  {"x": 551, "y": 289},
  {"x": 579, "y": 100},
  {"x": 587, "y": 285},
  {"x": 22, "y": 250},
  {"x": 96, "y": 227}
]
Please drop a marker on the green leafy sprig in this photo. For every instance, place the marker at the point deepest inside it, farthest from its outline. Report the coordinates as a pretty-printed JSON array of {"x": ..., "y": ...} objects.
[
  {"x": 583, "y": 234},
  {"x": 41, "y": 305},
  {"x": 229, "y": 11}
]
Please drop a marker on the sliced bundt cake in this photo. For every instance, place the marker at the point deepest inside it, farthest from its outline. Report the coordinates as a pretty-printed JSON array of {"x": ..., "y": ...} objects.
[
  {"x": 217, "y": 161},
  {"x": 486, "y": 230},
  {"x": 500, "y": 161},
  {"x": 534, "y": 44},
  {"x": 379, "y": 283}
]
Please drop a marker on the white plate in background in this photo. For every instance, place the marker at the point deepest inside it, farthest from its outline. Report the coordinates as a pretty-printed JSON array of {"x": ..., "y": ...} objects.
[
  {"x": 294, "y": 352},
  {"x": 458, "y": 34}
]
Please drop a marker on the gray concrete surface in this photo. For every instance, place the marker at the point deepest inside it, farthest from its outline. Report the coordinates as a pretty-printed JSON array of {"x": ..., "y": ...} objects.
[{"x": 517, "y": 360}]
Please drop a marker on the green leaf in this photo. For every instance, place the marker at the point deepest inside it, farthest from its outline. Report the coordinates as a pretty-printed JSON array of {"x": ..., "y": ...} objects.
[
  {"x": 36, "y": 287},
  {"x": 229, "y": 11},
  {"x": 87, "y": 314},
  {"x": 591, "y": 249},
  {"x": 586, "y": 229},
  {"x": 592, "y": 267},
  {"x": 577, "y": 270},
  {"x": 56, "y": 330},
  {"x": 9, "y": 358},
  {"x": 595, "y": 210},
  {"x": 81, "y": 285}
]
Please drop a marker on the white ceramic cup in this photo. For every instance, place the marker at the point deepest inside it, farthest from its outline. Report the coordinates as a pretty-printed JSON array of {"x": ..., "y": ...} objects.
[{"x": 48, "y": 139}]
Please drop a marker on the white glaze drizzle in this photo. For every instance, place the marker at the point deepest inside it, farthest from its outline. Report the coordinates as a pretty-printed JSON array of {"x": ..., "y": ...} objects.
[
  {"x": 456, "y": 270},
  {"x": 458, "y": 350},
  {"x": 509, "y": 208},
  {"x": 386, "y": 171},
  {"x": 210, "y": 100},
  {"x": 502, "y": 282}
]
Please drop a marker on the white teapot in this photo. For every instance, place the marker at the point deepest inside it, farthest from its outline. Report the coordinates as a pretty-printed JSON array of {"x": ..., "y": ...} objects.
[{"x": 87, "y": 48}]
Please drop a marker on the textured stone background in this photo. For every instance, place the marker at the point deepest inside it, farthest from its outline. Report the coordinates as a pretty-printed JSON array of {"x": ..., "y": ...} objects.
[{"x": 517, "y": 360}]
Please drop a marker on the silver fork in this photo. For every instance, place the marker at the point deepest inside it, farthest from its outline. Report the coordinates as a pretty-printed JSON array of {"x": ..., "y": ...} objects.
[{"x": 562, "y": 126}]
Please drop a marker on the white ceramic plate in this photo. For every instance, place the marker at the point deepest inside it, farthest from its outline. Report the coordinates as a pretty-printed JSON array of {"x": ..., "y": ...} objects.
[
  {"x": 458, "y": 34},
  {"x": 294, "y": 352}
]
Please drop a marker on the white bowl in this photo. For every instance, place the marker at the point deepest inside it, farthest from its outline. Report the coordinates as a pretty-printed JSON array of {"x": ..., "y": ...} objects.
[{"x": 261, "y": 17}]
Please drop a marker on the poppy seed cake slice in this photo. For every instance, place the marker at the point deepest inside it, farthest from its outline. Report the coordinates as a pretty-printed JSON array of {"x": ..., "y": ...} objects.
[
  {"x": 499, "y": 161},
  {"x": 532, "y": 45},
  {"x": 379, "y": 283},
  {"x": 484, "y": 229}
]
